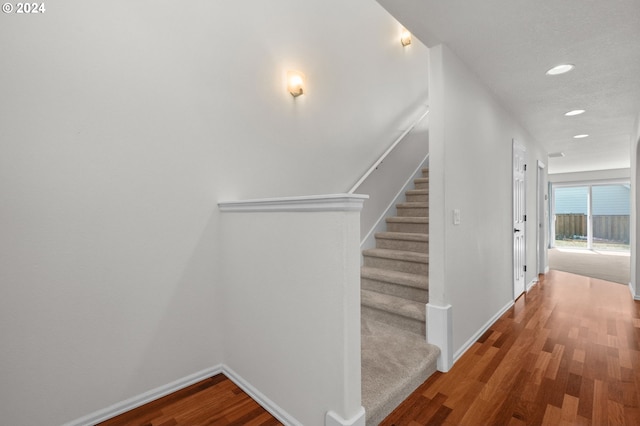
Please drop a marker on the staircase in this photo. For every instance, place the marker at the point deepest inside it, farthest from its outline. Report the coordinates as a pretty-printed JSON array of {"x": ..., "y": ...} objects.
[{"x": 396, "y": 358}]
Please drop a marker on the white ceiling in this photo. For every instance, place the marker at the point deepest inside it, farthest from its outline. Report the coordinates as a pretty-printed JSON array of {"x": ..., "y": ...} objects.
[{"x": 510, "y": 44}]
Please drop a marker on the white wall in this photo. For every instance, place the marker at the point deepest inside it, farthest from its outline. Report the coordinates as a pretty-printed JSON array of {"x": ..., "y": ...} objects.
[
  {"x": 635, "y": 209},
  {"x": 590, "y": 175},
  {"x": 121, "y": 126},
  {"x": 470, "y": 169}
]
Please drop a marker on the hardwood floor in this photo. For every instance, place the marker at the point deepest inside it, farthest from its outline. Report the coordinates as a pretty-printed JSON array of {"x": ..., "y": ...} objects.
[
  {"x": 567, "y": 353},
  {"x": 216, "y": 401}
]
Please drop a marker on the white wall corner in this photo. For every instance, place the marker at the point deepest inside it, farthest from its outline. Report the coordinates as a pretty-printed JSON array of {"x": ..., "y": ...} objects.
[
  {"x": 144, "y": 398},
  {"x": 633, "y": 293},
  {"x": 482, "y": 330},
  {"x": 274, "y": 409},
  {"x": 440, "y": 333},
  {"x": 334, "y": 419}
]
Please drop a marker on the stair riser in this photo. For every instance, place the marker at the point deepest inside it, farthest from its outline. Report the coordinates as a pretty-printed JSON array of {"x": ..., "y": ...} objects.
[
  {"x": 413, "y": 211},
  {"x": 415, "y": 246},
  {"x": 422, "y": 185},
  {"x": 422, "y": 198},
  {"x": 420, "y": 228},
  {"x": 425, "y": 173},
  {"x": 411, "y": 293},
  {"x": 409, "y": 324},
  {"x": 396, "y": 265}
]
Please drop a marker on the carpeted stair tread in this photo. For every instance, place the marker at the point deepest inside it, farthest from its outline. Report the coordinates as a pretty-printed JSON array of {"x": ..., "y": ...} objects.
[
  {"x": 407, "y": 241},
  {"x": 421, "y": 183},
  {"x": 394, "y": 363},
  {"x": 395, "y": 305},
  {"x": 395, "y": 277},
  {"x": 406, "y": 236},
  {"x": 414, "y": 204},
  {"x": 401, "y": 219},
  {"x": 417, "y": 192},
  {"x": 417, "y": 196},
  {"x": 407, "y": 256}
]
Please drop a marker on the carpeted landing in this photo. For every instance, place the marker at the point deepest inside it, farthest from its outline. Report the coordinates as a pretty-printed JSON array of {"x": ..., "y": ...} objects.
[{"x": 394, "y": 363}]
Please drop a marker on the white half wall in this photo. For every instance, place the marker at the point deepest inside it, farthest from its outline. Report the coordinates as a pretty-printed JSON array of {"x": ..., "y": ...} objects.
[{"x": 292, "y": 321}]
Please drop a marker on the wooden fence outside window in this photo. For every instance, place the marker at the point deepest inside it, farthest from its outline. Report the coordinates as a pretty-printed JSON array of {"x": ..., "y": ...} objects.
[{"x": 613, "y": 228}]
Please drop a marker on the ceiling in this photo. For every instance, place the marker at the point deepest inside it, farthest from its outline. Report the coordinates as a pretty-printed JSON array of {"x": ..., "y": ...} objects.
[{"x": 510, "y": 44}]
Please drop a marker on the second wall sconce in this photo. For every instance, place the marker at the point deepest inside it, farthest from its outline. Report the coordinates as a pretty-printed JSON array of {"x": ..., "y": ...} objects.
[
  {"x": 405, "y": 37},
  {"x": 295, "y": 83}
]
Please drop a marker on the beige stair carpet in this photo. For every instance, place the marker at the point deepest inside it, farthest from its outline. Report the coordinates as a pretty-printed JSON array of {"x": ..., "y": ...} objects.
[{"x": 396, "y": 358}]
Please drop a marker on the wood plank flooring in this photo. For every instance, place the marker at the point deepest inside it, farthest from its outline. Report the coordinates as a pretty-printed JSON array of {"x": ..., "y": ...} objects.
[
  {"x": 567, "y": 353},
  {"x": 216, "y": 401}
]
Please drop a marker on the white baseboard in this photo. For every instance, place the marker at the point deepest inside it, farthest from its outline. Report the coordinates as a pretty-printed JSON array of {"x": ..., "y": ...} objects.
[
  {"x": 144, "y": 398},
  {"x": 260, "y": 398},
  {"x": 334, "y": 419},
  {"x": 481, "y": 331},
  {"x": 440, "y": 333},
  {"x": 331, "y": 419},
  {"x": 633, "y": 293},
  {"x": 531, "y": 284}
]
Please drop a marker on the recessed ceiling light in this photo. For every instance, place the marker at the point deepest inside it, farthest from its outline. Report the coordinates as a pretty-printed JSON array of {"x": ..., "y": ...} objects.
[
  {"x": 560, "y": 69},
  {"x": 556, "y": 155},
  {"x": 574, "y": 112},
  {"x": 581, "y": 136}
]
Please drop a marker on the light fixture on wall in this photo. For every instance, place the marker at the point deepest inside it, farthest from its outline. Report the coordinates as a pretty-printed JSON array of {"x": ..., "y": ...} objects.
[
  {"x": 560, "y": 69},
  {"x": 405, "y": 37},
  {"x": 295, "y": 83}
]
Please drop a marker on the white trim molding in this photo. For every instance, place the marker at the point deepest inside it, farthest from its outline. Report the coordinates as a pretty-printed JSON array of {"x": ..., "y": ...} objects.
[
  {"x": 530, "y": 285},
  {"x": 633, "y": 293},
  {"x": 307, "y": 203},
  {"x": 481, "y": 331},
  {"x": 440, "y": 333},
  {"x": 144, "y": 398},
  {"x": 334, "y": 419}
]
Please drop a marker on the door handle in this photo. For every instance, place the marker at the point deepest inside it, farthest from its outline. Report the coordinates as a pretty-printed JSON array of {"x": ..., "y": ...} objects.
[{"x": 515, "y": 230}]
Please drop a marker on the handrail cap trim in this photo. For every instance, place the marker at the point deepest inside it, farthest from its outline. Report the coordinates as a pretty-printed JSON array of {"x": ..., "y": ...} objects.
[{"x": 307, "y": 203}]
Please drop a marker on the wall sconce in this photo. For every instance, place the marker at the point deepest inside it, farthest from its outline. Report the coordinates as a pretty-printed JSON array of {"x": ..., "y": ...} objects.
[
  {"x": 405, "y": 37},
  {"x": 295, "y": 83}
]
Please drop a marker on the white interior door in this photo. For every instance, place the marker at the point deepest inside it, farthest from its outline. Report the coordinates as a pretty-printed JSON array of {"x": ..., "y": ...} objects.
[{"x": 519, "y": 219}]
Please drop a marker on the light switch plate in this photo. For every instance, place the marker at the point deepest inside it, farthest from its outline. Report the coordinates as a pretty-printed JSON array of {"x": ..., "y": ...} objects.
[{"x": 456, "y": 216}]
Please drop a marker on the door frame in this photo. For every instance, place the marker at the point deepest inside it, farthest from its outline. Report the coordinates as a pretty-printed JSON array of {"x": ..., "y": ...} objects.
[
  {"x": 519, "y": 207},
  {"x": 542, "y": 219}
]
